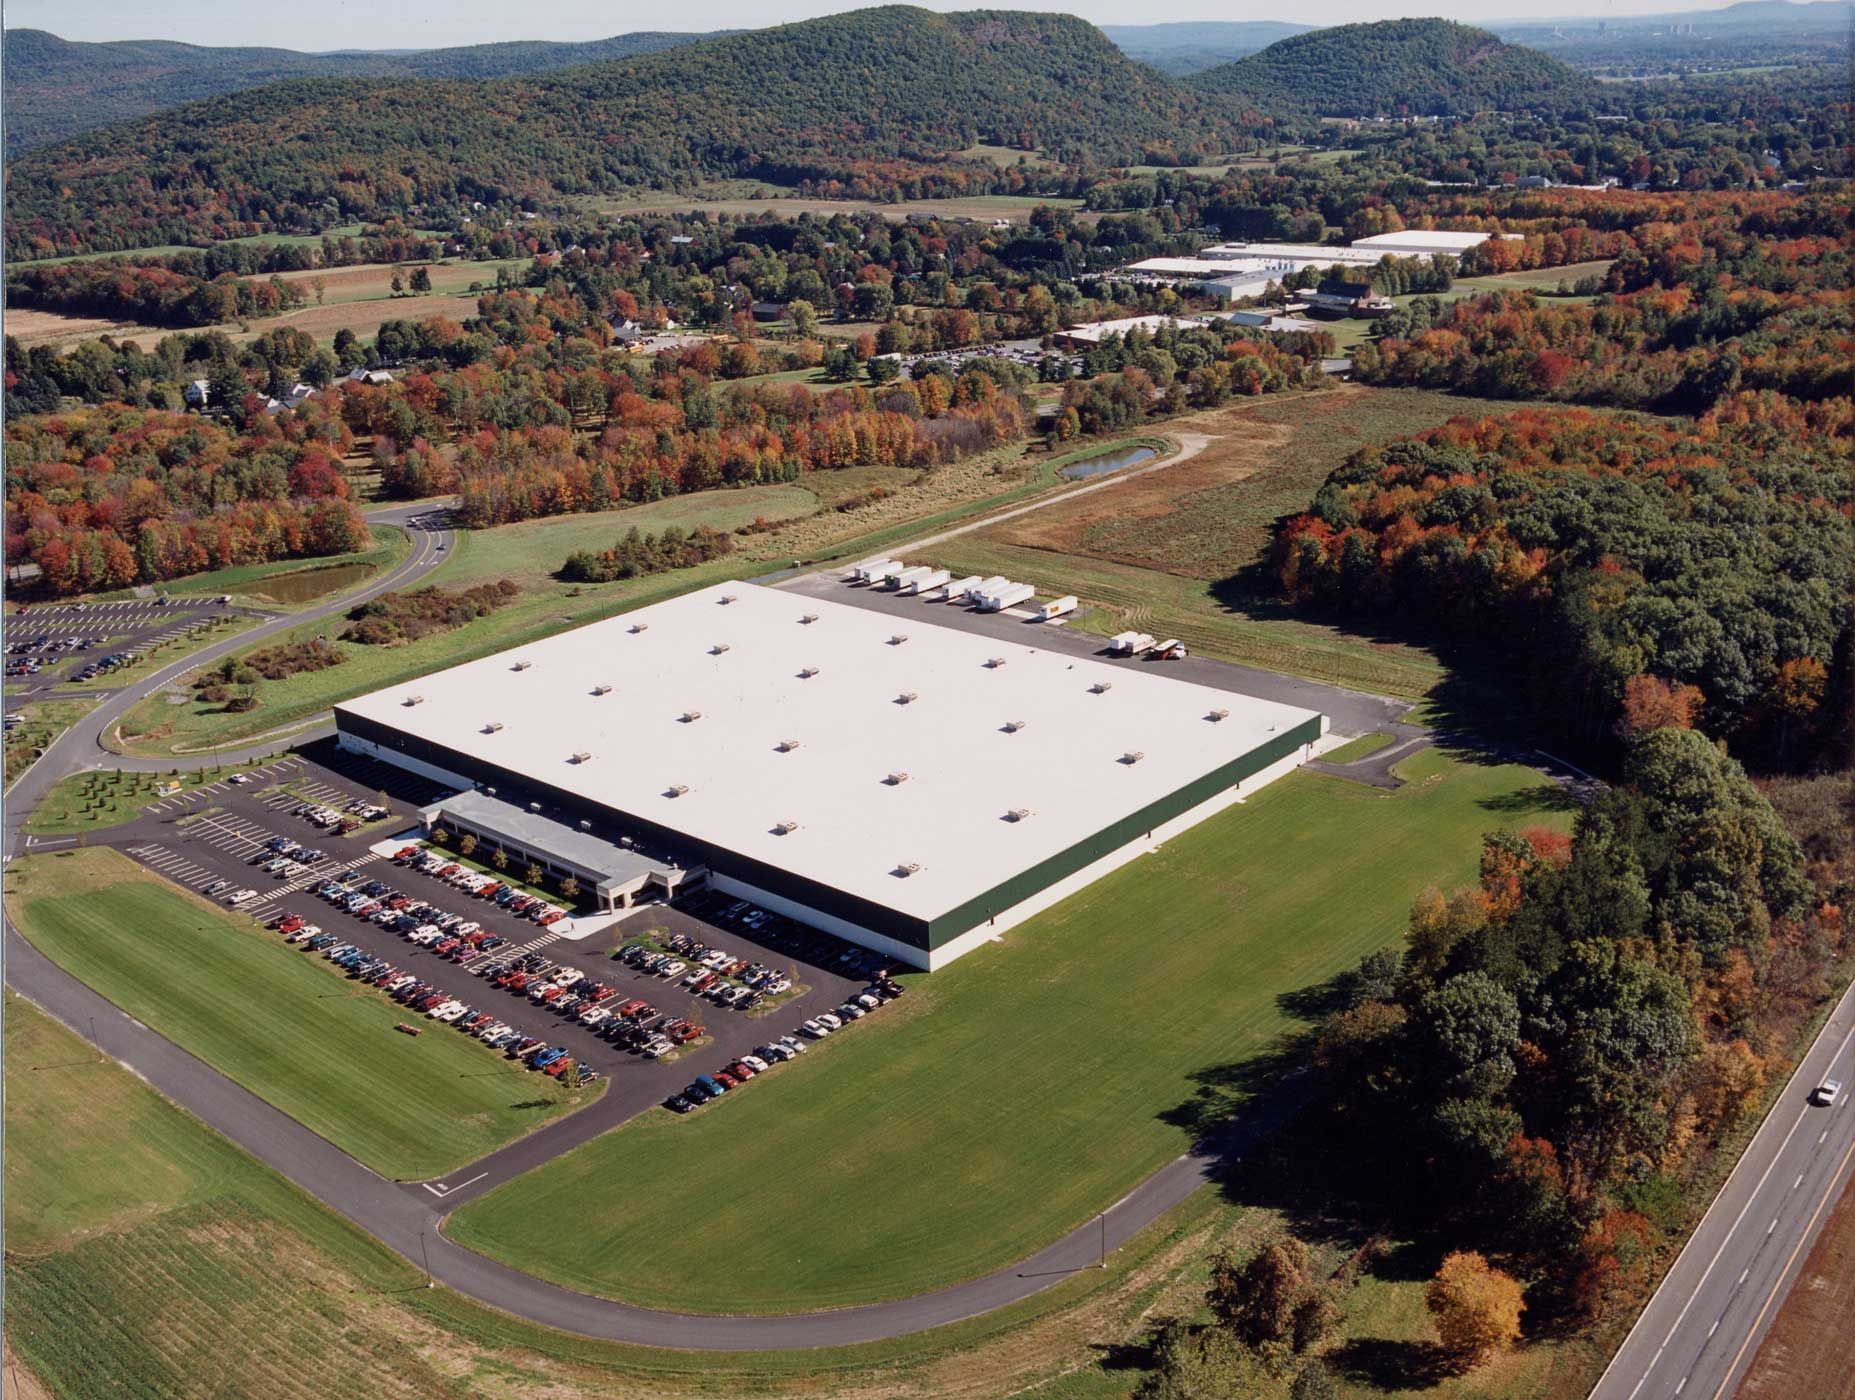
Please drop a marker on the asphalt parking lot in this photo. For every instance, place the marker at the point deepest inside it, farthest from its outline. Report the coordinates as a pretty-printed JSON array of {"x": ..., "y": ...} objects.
[
  {"x": 221, "y": 832},
  {"x": 62, "y": 639},
  {"x": 1350, "y": 712}
]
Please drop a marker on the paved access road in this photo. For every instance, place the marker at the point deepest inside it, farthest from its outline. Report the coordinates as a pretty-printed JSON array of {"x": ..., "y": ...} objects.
[
  {"x": 85, "y": 744},
  {"x": 1702, "y": 1327}
]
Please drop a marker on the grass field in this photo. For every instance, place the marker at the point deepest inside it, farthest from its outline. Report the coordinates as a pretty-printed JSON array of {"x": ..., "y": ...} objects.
[
  {"x": 1363, "y": 747},
  {"x": 1178, "y": 552},
  {"x": 45, "y": 721},
  {"x": 148, "y": 1256},
  {"x": 1010, "y": 1096},
  {"x": 280, "y": 1022},
  {"x": 103, "y": 798}
]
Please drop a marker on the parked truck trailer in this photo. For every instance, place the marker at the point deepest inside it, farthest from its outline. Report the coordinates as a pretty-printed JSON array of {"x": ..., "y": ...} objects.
[
  {"x": 1009, "y": 596},
  {"x": 1056, "y": 607}
]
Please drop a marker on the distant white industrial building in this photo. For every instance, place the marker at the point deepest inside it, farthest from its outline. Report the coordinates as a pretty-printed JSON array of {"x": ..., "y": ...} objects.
[
  {"x": 914, "y": 788},
  {"x": 1244, "y": 271},
  {"x": 1423, "y": 242},
  {"x": 1094, "y": 332}
]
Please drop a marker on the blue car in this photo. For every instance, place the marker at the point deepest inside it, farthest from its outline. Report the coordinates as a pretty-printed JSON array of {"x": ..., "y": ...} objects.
[{"x": 548, "y": 1056}]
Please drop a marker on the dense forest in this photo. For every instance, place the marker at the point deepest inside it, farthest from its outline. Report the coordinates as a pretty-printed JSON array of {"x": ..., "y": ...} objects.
[
  {"x": 1619, "y": 565},
  {"x": 1720, "y": 295},
  {"x": 1407, "y": 67},
  {"x": 57, "y": 88}
]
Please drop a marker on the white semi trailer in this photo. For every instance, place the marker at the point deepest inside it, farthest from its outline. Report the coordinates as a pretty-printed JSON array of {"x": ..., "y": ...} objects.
[
  {"x": 934, "y": 579},
  {"x": 1009, "y": 596},
  {"x": 1130, "y": 643},
  {"x": 1056, "y": 607}
]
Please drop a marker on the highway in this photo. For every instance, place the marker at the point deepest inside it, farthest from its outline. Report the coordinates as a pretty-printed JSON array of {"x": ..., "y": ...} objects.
[{"x": 1702, "y": 1328}]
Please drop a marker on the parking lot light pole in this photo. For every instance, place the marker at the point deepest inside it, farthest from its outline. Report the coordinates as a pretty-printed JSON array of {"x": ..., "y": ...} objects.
[
  {"x": 425, "y": 1259},
  {"x": 1104, "y": 1240}
]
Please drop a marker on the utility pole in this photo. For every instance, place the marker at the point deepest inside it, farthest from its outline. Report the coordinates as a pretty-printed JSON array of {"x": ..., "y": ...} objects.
[
  {"x": 1104, "y": 1241},
  {"x": 94, "y": 1041},
  {"x": 425, "y": 1259}
]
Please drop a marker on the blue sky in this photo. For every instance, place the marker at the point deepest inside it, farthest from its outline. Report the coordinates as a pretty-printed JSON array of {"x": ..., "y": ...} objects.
[{"x": 407, "y": 24}]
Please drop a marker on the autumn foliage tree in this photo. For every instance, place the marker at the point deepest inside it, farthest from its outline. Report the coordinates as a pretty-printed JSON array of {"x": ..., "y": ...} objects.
[{"x": 1475, "y": 1307}]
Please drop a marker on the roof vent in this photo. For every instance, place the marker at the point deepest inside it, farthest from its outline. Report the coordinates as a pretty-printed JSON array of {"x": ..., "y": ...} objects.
[
  {"x": 994, "y": 663},
  {"x": 718, "y": 649},
  {"x": 1018, "y": 814},
  {"x": 896, "y": 779},
  {"x": 689, "y": 716},
  {"x": 676, "y": 790},
  {"x": 413, "y": 700},
  {"x": 582, "y": 757},
  {"x": 725, "y": 599},
  {"x": 907, "y": 697},
  {"x": 808, "y": 672},
  {"x": 784, "y": 828},
  {"x": 788, "y": 745},
  {"x": 907, "y": 868},
  {"x": 637, "y": 627},
  {"x": 602, "y": 690},
  {"x": 521, "y": 665},
  {"x": 809, "y": 618},
  {"x": 1132, "y": 757},
  {"x": 492, "y": 726},
  {"x": 1012, "y": 726},
  {"x": 898, "y": 639},
  {"x": 1217, "y": 715},
  {"x": 1101, "y": 687}
]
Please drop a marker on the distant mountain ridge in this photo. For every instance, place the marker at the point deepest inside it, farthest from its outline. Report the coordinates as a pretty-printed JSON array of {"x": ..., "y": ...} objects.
[
  {"x": 1191, "y": 46},
  {"x": 1414, "y": 67},
  {"x": 57, "y": 88}
]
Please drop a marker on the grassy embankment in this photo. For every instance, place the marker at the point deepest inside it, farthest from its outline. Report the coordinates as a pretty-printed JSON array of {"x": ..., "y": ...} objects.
[
  {"x": 1181, "y": 552},
  {"x": 1073, "y": 1041},
  {"x": 282, "y": 1023},
  {"x": 45, "y": 721}
]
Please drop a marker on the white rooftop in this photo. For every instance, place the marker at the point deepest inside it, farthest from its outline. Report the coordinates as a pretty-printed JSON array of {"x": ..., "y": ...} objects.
[
  {"x": 733, "y": 655},
  {"x": 1101, "y": 330},
  {"x": 1423, "y": 239}
]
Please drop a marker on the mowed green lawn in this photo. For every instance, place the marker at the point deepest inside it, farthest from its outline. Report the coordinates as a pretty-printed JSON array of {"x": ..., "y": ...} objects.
[
  {"x": 277, "y": 1020},
  {"x": 1013, "y": 1095}
]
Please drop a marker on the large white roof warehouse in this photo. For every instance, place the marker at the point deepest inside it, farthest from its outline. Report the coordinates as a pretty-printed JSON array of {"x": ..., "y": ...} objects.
[{"x": 908, "y": 785}]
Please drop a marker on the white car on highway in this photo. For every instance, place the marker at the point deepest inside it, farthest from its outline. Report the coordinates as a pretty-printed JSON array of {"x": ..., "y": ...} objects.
[{"x": 1825, "y": 1094}]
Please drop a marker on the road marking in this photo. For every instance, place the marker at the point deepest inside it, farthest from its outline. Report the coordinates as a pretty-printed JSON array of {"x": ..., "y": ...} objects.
[
  {"x": 1829, "y": 1194},
  {"x": 1682, "y": 1386},
  {"x": 441, "y": 1190},
  {"x": 1716, "y": 1325},
  {"x": 1799, "y": 1182},
  {"x": 1774, "y": 1225},
  {"x": 1742, "y": 1276},
  {"x": 1822, "y": 1137}
]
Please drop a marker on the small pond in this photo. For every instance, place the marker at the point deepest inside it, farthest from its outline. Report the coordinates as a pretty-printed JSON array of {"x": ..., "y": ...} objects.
[
  {"x": 301, "y": 585},
  {"x": 1107, "y": 462}
]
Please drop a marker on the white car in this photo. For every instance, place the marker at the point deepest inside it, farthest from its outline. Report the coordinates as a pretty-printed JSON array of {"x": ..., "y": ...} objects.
[
  {"x": 816, "y": 1029},
  {"x": 304, "y": 934},
  {"x": 792, "y": 1044},
  {"x": 755, "y": 1063},
  {"x": 826, "y": 1019},
  {"x": 658, "y": 1046},
  {"x": 241, "y": 896},
  {"x": 1825, "y": 1094},
  {"x": 673, "y": 969},
  {"x": 451, "y": 1011}
]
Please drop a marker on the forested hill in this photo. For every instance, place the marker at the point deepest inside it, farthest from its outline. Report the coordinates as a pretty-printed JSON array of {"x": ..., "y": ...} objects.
[
  {"x": 1415, "y": 67},
  {"x": 879, "y": 95},
  {"x": 56, "y": 88}
]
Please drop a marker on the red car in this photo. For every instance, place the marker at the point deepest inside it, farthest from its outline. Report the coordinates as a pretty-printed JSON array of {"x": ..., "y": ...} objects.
[
  {"x": 726, "y": 1080},
  {"x": 405, "y": 853},
  {"x": 290, "y": 924},
  {"x": 552, "y": 916},
  {"x": 632, "y": 1008},
  {"x": 684, "y": 1031},
  {"x": 703, "y": 983},
  {"x": 740, "y": 1069},
  {"x": 559, "y": 1067}
]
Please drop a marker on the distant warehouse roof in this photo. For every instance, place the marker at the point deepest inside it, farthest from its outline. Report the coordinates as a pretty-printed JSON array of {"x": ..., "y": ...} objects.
[{"x": 1420, "y": 242}]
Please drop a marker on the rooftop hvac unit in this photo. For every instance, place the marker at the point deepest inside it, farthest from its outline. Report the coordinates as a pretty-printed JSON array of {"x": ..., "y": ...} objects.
[
  {"x": 413, "y": 700},
  {"x": 788, "y": 745},
  {"x": 907, "y": 868},
  {"x": 784, "y": 828},
  {"x": 808, "y": 672},
  {"x": 725, "y": 599},
  {"x": 907, "y": 697},
  {"x": 521, "y": 665},
  {"x": 1012, "y": 726},
  {"x": 586, "y": 825},
  {"x": 637, "y": 627},
  {"x": 1018, "y": 814},
  {"x": 676, "y": 789},
  {"x": 534, "y": 806},
  {"x": 582, "y": 757},
  {"x": 1217, "y": 715},
  {"x": 1131, "y": 757},
  {"x": 1101, "y": 687},
  {"x": 718, "y": 649},
  {"x": 809, "y": 618},
  {"x": 898, "y": 639},
  {"x": 896, "y": 779},
  {"x": 602, "y": 690},
  {"x": 690, "y": 716},
  {"x": 993, "y": 663},
  {"x": 492, "y": 726}
]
